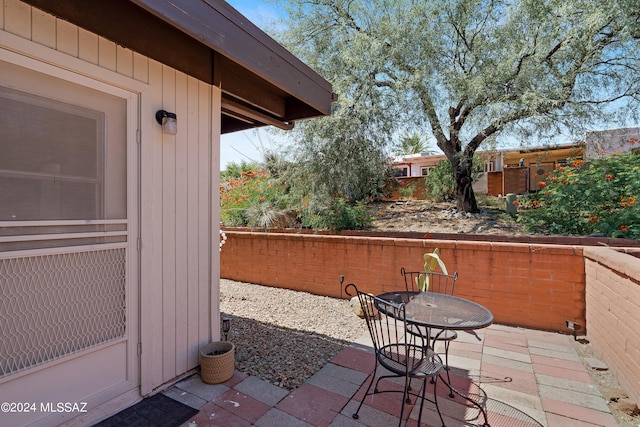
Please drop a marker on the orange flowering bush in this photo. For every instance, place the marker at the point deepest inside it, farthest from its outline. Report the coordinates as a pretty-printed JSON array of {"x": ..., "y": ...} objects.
[
  {"x": 583, "y": 198},
  {"x": 255, "y": 196},
  {"x": 628, "y": 201},
  {"x": 239, "y": 194}
]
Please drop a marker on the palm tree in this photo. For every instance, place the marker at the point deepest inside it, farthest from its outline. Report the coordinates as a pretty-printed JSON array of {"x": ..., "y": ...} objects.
[{"x": 412, "y": 144}]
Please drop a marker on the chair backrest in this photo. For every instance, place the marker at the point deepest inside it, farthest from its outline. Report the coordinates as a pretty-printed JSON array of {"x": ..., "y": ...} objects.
[
  {"x": 387, "y": 326},
  {"x": 437, "y": 282}
]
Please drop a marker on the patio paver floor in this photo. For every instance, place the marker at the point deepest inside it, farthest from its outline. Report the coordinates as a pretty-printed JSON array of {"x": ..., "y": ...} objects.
[{"x": 523, "y": 373}]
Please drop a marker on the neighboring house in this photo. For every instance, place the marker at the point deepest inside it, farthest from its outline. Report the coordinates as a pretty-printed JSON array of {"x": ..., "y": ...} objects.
[
  {"x": 505, "y": 171},
  {"x": 417, "y": 165},
  {"x": 604, "y": 143},
  {"x": 109, "y": 261}
]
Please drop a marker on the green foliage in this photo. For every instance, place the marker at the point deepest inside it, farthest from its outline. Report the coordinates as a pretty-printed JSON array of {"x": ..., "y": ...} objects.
[
  {"x": 253, "y": 188},
  {"x": 341, "y": 156},
  {"x": 235, "y": 170},
  {"x": 489, "y": 201},
  {"x": 262, "y": 215},
  {"x": 412, "y": 144},
  {"x": 338, "y": 215},
  {"x": 259, "y": 200},
  {"x": 473, "y": 72},
  {"x": 440, "y": 183},
  {"x": 407, "y": 192},
  {"x": 598, "y": 197}
]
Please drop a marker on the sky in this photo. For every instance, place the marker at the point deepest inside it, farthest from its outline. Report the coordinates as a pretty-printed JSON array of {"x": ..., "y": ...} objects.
[{"x": 246, "y": 145}]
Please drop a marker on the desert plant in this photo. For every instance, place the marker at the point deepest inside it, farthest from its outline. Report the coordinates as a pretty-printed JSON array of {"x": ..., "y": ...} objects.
[
  {"x": 337, "y": 214},
  {"x": 440, "y": 183},
  {"x": 407, "y": 192},
  {"x": 474, "y": 73},
  {"x": 431, "y": 260},
  {"x": 252, "y": 189},
  {"x": 412, "y": 144},
  {"x": 235, "y": 170},
  {"x": 489, "y": 201},
  {"x": 597, "y": 197},
  {"x": 262, "y": 215}
]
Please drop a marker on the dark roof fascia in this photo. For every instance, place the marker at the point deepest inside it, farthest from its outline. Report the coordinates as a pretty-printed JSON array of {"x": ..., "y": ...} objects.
[
  {"x": 222, "y": 28},
  {"x": 212, "y": 42},
  {"x": 128, "y": 25}
]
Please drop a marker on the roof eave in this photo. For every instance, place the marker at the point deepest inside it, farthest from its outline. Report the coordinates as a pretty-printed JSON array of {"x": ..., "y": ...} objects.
[{"x": 212, "y": 42}]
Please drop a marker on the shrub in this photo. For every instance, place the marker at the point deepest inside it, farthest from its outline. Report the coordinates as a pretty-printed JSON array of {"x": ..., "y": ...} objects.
[
  {"x": 440, "y": 184},
  {"x": 258, "y": 200},
  {"x": 262, "y": 215},
  {"x": 234, "y": 170},
  {"x": 337, "y": 215},
  {"x": 489, "y": 201},
  {"x": 598, "y": 197},
  {"x": 407, "y": 192},
  {"x": 253, "y": 188}
]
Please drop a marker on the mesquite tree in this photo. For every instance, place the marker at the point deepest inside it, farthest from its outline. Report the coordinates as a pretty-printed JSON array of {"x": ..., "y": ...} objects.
[{"x": 476, "y": 70}]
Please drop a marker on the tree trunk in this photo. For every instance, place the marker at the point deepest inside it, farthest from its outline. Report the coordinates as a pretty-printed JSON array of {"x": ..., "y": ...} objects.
[{"x": 465, "y": 197}]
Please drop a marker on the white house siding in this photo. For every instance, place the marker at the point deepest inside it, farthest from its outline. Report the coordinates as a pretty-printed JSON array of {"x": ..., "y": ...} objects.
[{"x": 178, "y": 184}]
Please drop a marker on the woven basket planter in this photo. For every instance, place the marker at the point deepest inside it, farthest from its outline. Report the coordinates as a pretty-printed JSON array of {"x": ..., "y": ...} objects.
[{"x": 217, "y": 362}]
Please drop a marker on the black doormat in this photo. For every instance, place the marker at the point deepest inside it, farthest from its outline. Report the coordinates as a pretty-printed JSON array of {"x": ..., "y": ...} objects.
[{"x": 155, "y": 411}]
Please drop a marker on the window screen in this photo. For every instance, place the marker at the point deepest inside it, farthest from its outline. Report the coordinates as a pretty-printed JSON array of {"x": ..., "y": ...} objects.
[{"x": 53, "y": 161}]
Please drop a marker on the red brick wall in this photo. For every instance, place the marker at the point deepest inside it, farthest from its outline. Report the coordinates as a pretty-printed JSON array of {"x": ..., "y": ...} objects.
[
  {"x": 530, "y": 285},
  {"x": 613, "y": 312}
]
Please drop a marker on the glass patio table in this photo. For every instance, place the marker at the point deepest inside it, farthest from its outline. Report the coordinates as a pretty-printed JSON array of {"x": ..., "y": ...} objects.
[{"x": 444, "y": 312}]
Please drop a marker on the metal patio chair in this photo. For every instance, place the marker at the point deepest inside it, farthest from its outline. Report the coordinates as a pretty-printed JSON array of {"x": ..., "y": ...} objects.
[
  {"x": 401, "y": 354},
  {"x": 440, "y": 283}
]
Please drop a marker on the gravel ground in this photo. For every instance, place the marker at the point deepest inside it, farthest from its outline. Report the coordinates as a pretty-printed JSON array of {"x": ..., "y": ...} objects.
[
  {"x": 284, "y": 336},
  {"x": 623, "y": 409}
]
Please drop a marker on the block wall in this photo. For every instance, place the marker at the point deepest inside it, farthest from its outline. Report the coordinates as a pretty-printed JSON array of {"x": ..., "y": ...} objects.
[
  {"x": 613, "y": 312},
  {"x": 528, "y": 285}
]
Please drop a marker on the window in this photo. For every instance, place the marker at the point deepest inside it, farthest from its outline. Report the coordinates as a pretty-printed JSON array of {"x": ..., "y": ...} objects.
[
  {"x": 54, "y": 161},
  {"x": 402, "y": 171},
  {"x": 489, "y": 166},
  {"x": 424, "y": 170}
]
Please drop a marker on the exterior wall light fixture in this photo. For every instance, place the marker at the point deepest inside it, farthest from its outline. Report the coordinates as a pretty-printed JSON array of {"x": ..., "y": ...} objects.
[{"x": 169, "y": 121}]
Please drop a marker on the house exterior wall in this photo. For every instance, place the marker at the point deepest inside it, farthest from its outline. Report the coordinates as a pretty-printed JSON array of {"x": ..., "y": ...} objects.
[
  {"x": 416, "y": 162},
  {"x": 177, "y": 182},
  {"x": 552, "y": 155},
  {"x": 523, "y": 284},
  {"x": 612, "y": 315},
  {"x": 496, "y": 179},
  {"x": 604, "y": 143}
]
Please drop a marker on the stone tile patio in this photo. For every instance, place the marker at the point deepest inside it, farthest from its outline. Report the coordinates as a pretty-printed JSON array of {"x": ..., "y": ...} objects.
[{"x": 522, "y": 376}]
